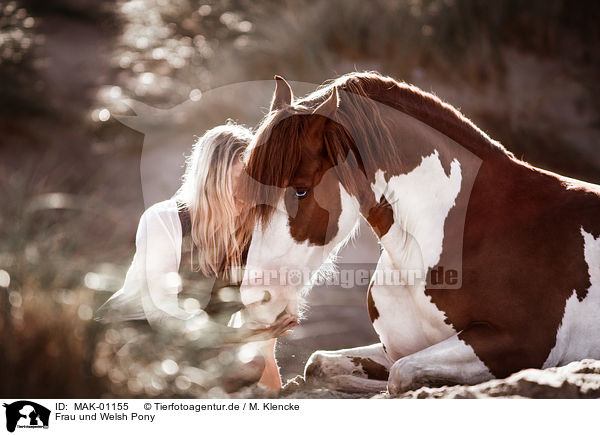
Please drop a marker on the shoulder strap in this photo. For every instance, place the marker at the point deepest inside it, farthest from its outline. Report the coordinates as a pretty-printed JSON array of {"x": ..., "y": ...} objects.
[{"x": 184, "y": 218}]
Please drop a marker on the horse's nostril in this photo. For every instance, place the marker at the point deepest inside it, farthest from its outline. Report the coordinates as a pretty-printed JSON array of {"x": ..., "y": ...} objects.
[{"x": 266, "y": 297}]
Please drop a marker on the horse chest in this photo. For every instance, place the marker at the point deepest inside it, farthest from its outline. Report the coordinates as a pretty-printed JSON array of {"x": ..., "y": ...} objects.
[
  {"x": 405, "y": 319},
  {"x": 408, "y": 320}
]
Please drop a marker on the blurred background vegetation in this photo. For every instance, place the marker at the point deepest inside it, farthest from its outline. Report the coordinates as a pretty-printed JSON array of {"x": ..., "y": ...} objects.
[{"x": 525, "y": 71}]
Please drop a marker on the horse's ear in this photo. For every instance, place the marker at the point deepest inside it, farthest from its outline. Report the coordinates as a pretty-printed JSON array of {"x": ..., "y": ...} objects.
[
  {"x": 328, "y": 107},
  {"x": 283, "y": 94}
]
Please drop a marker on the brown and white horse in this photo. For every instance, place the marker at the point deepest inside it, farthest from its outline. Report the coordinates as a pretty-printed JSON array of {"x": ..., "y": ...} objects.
[{"x": 505, "y": 256}]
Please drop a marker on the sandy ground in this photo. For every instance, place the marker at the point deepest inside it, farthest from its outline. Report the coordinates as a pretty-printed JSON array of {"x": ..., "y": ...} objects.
[{"x": 577, "y": 380}]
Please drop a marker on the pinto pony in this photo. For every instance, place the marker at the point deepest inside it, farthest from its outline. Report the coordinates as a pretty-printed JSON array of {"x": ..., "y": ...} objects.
[{"x": 504, "y": 257}]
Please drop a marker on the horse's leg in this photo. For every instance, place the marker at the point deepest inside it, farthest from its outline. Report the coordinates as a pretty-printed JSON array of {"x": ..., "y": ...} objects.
[
  {"x": 449, "y": 362},
  {"x": 359, "y": 369}
]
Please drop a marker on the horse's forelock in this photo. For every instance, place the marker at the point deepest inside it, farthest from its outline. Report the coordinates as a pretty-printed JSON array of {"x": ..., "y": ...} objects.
[{"x": 273, "y": 157}]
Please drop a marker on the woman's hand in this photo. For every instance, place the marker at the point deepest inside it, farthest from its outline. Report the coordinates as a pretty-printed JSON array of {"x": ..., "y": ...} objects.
[{"x": 281, "y": 327}]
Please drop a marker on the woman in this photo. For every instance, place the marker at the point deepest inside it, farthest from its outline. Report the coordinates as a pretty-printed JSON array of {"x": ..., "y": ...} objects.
[{"x": 191, "y": 249}]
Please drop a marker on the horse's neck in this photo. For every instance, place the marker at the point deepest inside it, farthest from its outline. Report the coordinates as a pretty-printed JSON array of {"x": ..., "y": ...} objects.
[{"x": 429, "y": 201}]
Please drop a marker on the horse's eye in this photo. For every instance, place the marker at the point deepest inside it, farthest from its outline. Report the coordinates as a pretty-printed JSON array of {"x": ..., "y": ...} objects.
[{"x": 301, "y": 192}]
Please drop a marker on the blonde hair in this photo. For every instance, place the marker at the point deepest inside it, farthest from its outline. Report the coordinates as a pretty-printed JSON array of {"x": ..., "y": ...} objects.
[{"x": 219, "y": 233}]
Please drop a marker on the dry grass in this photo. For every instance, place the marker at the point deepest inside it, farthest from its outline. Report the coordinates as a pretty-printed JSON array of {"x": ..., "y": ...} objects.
[{"x": 46, "y": 348}]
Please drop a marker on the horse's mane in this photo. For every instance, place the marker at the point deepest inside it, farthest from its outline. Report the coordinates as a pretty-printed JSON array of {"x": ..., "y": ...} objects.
[
  {"x": 421, "y": 105},
  {"x": 359, "y": 127}
]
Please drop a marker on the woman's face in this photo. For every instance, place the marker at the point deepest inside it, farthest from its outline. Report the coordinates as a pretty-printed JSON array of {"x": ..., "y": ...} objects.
[{"x": 236, "y": 175}]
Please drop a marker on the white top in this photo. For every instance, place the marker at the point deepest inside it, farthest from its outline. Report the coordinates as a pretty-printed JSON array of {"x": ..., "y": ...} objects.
[{"x": 152, "y": 282}]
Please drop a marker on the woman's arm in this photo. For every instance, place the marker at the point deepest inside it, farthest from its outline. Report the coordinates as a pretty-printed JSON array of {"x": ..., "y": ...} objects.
[
  {"x": 270, "y": 377},
  {"x": 151, "y": 284},
  {"x": 158, "y": 246}
]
